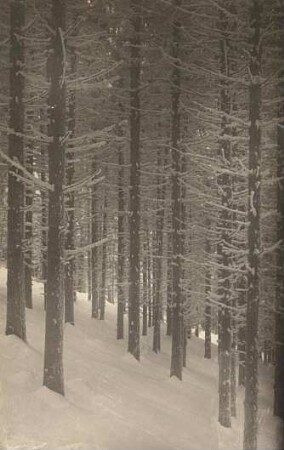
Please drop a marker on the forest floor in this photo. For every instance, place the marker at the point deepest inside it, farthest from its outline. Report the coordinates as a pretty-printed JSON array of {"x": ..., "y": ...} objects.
[{"x": 112, "y": 401}]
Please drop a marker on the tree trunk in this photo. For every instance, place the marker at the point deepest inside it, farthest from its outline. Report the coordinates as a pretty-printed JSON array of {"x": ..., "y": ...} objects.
[
  {"x": 134, "y": 219},
  {"x": 70, "y": 199},
  {"x": 29, "y": 159},
  {"x": 150, "y": 281},
  {"x": 169, "y": 285},
  {"x": 233, "y": 380},
  {"x": 15, "y": 323},
  {"x": 251, "y": 389},
  {"x": 279, "y": 316},
  {"x": 145, "y": 291},
  {"x": 207, "y": 342},
  {"x": 177, "y": 318},
  {"x": 95, "y": 250},
  {"x": 161, "y": 193},
  {"x": 104, "y": 261},
  {"x": 242, "y": 333},
  {"x": 224, "y": 245},
  {"x": 44, "y": 210},
  {"x": 53, "y": 355},
  {"x": 121, "y": 272}
]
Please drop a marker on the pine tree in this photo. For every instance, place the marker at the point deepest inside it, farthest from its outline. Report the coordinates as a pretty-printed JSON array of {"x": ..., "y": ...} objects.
[
  {"x": 134, "y": 207},
  {"x": 251, "y": 382},
  {"x": 279, "y": 319},
  {"x": 177, "y": 307},
  {"x": 70, "y": 293},
  {"x": 53, "y": 354},
  {"x": 15, "y": 323}
]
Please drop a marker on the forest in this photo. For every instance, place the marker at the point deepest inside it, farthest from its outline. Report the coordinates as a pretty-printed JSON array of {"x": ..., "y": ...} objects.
[{"x": 142, "y": 224}]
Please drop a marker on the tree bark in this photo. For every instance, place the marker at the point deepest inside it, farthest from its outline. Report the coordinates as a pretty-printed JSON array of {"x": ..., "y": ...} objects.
[
  {"x": 223, "y": 248},
  {"x": 161, "y": 192},
  {"x": 104, "y": 261},
  {"x": 279, "y": 316},
  {"x": 70, "y": 293},
  {"x": 28, "y": 258},
  {"x": 95, "y": 250},
  {"x": 251, "y": 389},
  {"x": 134, "y": 218},
  {"x": 53, "y": 355},
  {"x": 121, "y": 272},
  {"x": 15, "y": 320},
  {"x": 207, "y": 342},
  {"x": 177, "y": 309}
]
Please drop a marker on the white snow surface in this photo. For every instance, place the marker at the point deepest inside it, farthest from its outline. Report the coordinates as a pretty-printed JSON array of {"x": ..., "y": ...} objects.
[{"x": 112, "y": 401}]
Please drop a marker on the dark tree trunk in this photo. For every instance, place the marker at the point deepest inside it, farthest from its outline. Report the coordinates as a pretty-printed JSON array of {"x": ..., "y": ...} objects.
[
  {"x": 183, "y": 217},
  {"x": 161, "y": 193},
  {"x": 121, "y": 272},
  {"x": 44, "y": 209},
  {"x": 53, "y": 355},
  {"x": 89, "y": 228},
  {"x": 70, "y": 293},
  {"x": 150, "y": 282},
  {"x": 177, "y": 318},
  {"x": 242, "y": 332},
  {"x": 15, "y": 323},
  {"x": 251, "y": 389},
  {"x": 95, "y": 250},
  {"x": 134, "y": 219},
  {"x": 207, "y": 342},
  {"x": 145, "y": 292},
  {"x": 29, "y": 159},
  {"x": 104, "y": 261},
  {"x": 169, "y": 287},
  {"x": 184, "y": 349},
  {"x": 224, "y": 245},
  {"x": 279, "y": 316},
  {"x": 233, "y": 380}
]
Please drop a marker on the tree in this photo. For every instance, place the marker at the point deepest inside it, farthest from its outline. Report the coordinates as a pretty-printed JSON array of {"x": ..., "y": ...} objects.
[
  {"x": 15, "y": 323},
  {"x": 177, "y": 312},
  {"x": 225, "y": 185},
  {"x": 134, "y": 207},
  {"x": 53, "y": 352},
  {"x": 279, "y": 317},
  {"x": 251, "y": 382},
  {"x": 70, "y": 293}
]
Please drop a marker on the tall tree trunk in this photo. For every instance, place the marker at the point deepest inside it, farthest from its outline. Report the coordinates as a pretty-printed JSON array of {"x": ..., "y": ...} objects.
[
  {"x": 183, "y": 217},
  {"x": 150, "y": 280},
  {"x": 225, "y": 183},
  {"x": 29, "y": 159},
  {"x": 242, "y": 331},
  {"x": 70, "y": 198},
  {"x": 177, "y": 318},
  {"x": 134, "y": 219},
  {"x": 161, "y": 193},
  {"x": 145, "y": 290},
  {"x": 53, "y": 354},
  {"x": 279, "y": 316},
  {"x": 44, "y": 209},
  {"x": 251, "y": 389},
  {"x": 207, "y": 342},
  {"x": 104, "y": 260},
  {"x": 95, "y": 250},
  {"x": 169, "y": 285},
  {"x": 233, "y": 380},
  {"x": 121, "y": 272},
  {"x": 15, "y": 323}
]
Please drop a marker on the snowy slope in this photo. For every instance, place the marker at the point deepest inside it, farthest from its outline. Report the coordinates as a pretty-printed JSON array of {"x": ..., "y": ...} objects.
[{"x": 112, "y": 401}]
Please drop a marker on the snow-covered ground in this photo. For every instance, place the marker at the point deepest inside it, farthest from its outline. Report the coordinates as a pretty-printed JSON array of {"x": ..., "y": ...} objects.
[{"x": 112, "y": 401}]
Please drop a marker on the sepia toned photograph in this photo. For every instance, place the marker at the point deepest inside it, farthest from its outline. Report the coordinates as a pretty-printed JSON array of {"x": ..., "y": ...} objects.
[{"x": 141, "y": 224}]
